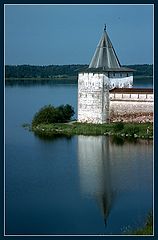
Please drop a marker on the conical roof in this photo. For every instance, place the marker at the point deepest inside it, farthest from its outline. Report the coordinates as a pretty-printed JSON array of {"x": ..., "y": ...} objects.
[{"x": 105, "y": 55}]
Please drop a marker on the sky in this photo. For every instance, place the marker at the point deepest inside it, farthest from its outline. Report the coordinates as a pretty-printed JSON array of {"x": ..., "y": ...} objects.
[{"x": 69, "y": 34}]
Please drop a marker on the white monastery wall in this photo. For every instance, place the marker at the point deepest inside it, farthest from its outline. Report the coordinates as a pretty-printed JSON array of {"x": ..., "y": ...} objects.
[
  {"x": 93, "y": 94},
  {"x": 148, "y": 97},
  {"x": 121, "y": 80},
  {"x": 96, "y": 105},
  {"x": 131, "y": 107},
  {"x": 93, "y": 97}
]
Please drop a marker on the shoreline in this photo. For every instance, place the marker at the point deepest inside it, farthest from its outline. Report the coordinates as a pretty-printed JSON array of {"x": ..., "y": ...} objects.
[
  {"x": 139, "y": 77},
  {"x": 42, "y": 79},
  {"x": 129, "y": 130}
]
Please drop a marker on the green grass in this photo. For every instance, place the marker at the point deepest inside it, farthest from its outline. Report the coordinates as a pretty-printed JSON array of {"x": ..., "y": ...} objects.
[{"x": 130, "y": 130}]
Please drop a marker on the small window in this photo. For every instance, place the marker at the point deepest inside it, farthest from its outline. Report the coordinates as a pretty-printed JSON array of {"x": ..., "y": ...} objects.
[
  {"x": 127, "y": 75},
  {"x": 114, "y": 74}
]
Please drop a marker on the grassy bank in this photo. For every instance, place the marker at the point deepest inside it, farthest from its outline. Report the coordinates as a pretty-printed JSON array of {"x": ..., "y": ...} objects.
[{"x": 135, "y": 130}]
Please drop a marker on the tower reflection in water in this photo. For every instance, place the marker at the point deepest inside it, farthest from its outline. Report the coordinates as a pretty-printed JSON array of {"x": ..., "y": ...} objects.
[
  {"x": 111, "y": 171},
  {"x": 94, "y": 168}
]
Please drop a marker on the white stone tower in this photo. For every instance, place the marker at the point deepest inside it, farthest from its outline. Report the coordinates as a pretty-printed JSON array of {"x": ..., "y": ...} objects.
[{"x": 104, "y": 73}]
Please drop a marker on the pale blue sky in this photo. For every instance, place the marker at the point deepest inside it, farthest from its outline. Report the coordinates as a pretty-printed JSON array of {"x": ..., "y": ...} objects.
[{"x": 69, "y": 34}]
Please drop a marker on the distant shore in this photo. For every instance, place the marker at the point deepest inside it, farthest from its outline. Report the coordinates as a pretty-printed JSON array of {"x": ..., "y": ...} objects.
[
  {"x": 42, "y": 79},
  {"x": 62, "y": 78},
  {"x": 63, "y": 71}
]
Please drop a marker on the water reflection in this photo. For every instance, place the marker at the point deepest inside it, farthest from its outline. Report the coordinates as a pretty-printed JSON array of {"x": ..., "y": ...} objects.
[
  {"x": 95, "y": 171},
  {"x": 52, "y": 137},
  {"x": 111, "y": 170},
  {"x": 117, "y": 140}
]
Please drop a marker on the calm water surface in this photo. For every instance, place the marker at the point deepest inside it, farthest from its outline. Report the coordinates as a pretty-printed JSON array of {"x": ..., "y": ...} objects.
[{"x": 78, "y": 185}]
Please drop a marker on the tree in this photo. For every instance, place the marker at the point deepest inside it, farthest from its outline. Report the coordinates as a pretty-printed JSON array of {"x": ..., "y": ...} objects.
[
  {"x": 50, "y": 114},
  {"x": 66, "y": 111}
]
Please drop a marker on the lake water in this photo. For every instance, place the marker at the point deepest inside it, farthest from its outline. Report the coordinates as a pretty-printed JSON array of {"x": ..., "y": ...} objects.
[{"x": 78, "y": 185}]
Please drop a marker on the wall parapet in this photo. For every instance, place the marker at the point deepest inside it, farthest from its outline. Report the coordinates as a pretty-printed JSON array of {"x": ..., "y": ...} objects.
[
  {"x": 131, "y": 97},
  {"x": 132, "y": 94}
]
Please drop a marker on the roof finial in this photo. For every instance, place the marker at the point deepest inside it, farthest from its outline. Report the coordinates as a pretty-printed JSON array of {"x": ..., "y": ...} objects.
[{"x": 104, "y": 27}]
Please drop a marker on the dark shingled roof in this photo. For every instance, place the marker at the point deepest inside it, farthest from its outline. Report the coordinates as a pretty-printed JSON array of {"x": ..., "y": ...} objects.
[
  {"x": 131, "y": 90},
  {"x": 105, "y": 58},
  {"x": 105, "y": 55}
]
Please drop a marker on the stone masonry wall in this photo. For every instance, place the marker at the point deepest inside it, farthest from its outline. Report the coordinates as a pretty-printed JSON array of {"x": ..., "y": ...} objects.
[
  {"x": 131, "y": 107},
  {"x": 121, "y": 80},
  {"x": 93, "y": 94}
]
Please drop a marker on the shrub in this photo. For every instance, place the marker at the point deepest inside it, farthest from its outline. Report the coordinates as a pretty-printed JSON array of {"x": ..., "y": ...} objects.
[
  {"x": 50, "y": 114},
  {"x": 131, "y": 130},
  {"x": 65, "y": 112},
  {"x": 118, "y": 126}
]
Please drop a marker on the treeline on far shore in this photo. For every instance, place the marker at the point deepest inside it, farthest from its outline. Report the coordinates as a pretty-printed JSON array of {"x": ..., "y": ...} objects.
[{"x": 62, "y": 71}]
